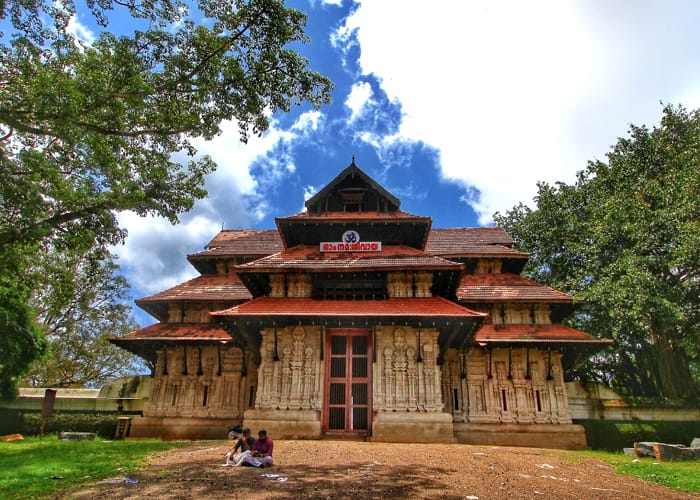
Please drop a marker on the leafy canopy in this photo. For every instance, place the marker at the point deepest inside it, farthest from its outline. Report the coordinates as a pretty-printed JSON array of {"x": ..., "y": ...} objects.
[
  {"x": 80, "y": 304},
  {"x": 625, "y": 238},
  {"x": 89, "y": 128}
]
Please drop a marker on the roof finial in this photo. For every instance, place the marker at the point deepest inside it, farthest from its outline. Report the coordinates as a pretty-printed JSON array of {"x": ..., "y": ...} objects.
[{"x": 353, "y": 161}]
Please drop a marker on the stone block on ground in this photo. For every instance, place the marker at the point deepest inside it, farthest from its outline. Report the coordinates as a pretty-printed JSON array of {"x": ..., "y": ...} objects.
[
  {"x": 76, "y": 436},
  {"x": 695, "y": 443},
  {"x": 644, "y": 449},
  {"x": 674, "y": 452}
]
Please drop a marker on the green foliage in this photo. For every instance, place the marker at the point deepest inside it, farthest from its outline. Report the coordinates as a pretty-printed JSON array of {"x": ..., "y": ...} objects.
[
  {"x": 81, "y": 304},
  {"x": 89, "y": 128},
  {"x": 625, "y": 239},
  {"x": 102, "y": 424},
  {"x": 22, "y": 339},
  {"x": 614, "y": 436},
  {"x": 678, "y": 475},
  {"x": 37, "y": 468}
]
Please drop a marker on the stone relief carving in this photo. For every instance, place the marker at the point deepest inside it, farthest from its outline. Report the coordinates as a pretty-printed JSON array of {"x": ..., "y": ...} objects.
[
  {"x": 401, "y": 382},
  {"x": 524, "y": 397},
  {"x": 292, "y": 382},
  {"x": 192, "y": 382}
]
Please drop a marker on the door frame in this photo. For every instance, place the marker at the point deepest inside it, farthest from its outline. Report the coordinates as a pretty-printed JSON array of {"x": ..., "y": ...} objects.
[{"x": 330, "y": 332}]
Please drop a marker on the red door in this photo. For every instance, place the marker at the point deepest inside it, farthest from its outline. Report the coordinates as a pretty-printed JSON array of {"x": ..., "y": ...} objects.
[{"x": 347, "y": 408}]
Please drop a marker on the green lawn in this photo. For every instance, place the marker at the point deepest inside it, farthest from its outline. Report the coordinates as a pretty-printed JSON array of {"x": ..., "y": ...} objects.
[
  {"x": 33, "y": 468},
  {"x": 681, "y": 475}
]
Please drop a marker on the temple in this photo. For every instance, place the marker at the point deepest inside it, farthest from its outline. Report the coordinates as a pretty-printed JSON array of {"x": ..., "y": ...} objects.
[{"x": 357, "y": 320}]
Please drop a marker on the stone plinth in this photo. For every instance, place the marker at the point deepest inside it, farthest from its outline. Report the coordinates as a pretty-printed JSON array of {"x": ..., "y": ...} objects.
[
  {"x": 284, "y": 424},
  {"x": 562, "y": 436},
  {"x": 412, "y": 427},
  {"x": 173, "y": 428}
]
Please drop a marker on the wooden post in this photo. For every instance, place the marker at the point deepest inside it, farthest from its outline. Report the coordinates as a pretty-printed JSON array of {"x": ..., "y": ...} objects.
[{"x": 47, "y": 409}]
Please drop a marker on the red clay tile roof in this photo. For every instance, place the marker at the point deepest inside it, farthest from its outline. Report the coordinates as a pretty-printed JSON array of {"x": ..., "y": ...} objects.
[
  {"x": 473, "y": 241},
  {"x": 344, "y": 216},
  {"x": 309, "y": 257},
  {"x": 177, "y": 331},
  {"x": 495, "y": 334},
  {"x": 429, "y": 306},
  {"x": 500, "y": 287},
  {"x": 242, "y": 242},
  {"x": 206, "y": 287}
]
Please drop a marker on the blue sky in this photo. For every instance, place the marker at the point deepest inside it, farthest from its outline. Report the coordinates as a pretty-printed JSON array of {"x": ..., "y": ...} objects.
[{"x": 456, "y": 108}]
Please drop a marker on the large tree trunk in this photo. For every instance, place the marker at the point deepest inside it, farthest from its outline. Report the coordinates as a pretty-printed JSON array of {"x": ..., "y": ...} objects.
[{"x": 673, "y": 371}]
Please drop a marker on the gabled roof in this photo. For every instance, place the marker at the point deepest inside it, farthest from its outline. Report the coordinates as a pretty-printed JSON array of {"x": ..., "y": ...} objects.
[
  {"x": 352, "y": 172},
  {"x": 310, "y": 258},
  {"x": 505, "y": 287},
  {"x": 377, "y": 217}
]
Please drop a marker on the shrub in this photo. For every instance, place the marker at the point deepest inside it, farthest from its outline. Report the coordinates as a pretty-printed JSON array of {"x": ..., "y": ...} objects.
[{"x": 103, "y": 424}]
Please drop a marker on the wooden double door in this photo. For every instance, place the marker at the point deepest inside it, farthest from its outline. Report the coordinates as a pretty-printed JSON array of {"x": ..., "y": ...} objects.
[{"x": 347, "y": 406}]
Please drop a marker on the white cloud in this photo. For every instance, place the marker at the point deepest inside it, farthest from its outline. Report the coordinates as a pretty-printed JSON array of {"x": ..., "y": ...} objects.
[
  {"x": 358, "y": 99},
  {"x": 154, "y": 255},
  {"x": 80, "y": 31},
  {"x": 153, "y": 259},
  {"x": 515, "y": 92}
]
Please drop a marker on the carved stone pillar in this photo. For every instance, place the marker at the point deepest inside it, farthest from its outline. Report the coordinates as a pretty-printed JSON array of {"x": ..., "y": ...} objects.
[
  {"x": 277, "y": 285},
  {"x": 423, "y": 282}
]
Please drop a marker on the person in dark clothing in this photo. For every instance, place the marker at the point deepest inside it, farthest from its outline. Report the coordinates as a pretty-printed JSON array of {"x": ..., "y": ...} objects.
[
  {"x": 244, "y": 444},
  {"x": 262, "y": 450}
]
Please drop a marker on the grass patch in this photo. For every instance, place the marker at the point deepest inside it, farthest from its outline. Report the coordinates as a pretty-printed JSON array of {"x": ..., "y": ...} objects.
[
  {"x": 35, "y": 467},
  {"x": 682, "y": 475}
]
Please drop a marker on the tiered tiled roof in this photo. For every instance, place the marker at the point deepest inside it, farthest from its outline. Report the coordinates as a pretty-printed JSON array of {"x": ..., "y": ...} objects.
[
  {"x": 207, "y": 287},
  {"x": 310, "y": 258},
  {"x": 497, "y": 287},
  {"x": 477, "y": 242},
  {"x": 394, "y": 307},
  {"x": 231, "y": 242},
  {"x": 178, "y": 331},
  {"x": 344, "y": 216},
  {"x": 533, "y": 334}
]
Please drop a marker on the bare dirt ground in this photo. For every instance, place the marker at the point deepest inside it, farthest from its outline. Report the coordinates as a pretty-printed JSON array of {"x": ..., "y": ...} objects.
[{"x": 360, "y": 470}]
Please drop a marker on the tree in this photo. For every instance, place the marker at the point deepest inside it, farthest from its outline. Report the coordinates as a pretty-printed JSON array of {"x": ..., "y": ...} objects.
[
  {"x": 625, "y": 239},
  {"x": 80, "y": 306},
  {"x": 91, "y": 129},
  {"x": 26, "y": 339}
]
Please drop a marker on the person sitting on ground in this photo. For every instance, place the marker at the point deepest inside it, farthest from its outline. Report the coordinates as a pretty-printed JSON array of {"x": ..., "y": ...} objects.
[
  {"x": 261, "y": 454},
  {"x": 262, "y": 449},
  {"x": 244, "y": 444}
]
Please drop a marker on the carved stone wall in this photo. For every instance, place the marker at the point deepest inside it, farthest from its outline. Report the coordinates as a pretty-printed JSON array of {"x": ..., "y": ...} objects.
[
  {"x": 489, "y": 266},
  {"x": 525, "y": 314},
  {"x": 406, "y": 374},
  {"x": 290, "y": 371},
  {"x": 192, "y": 313},
  {"x": 409, "y": 284},
  {"x": 290, "y": 285},
  {"x": 277, "y": 285},
  {"x": 202, "y": 381},
  {"x": 298, "y": 285},
  {"x": 497, "y": 386}
]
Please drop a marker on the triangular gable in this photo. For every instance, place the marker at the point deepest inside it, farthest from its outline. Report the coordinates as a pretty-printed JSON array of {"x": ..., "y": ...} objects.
[{"x": 351, "y": 187}]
